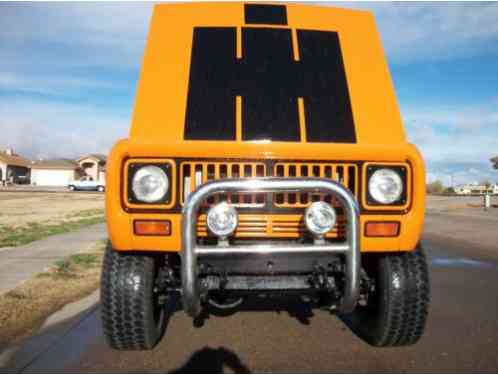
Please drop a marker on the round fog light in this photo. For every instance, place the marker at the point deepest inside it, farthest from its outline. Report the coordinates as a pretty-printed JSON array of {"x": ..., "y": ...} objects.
[
  {"x": 222, "y": 220},
  {"x": 320, "y": 218}
]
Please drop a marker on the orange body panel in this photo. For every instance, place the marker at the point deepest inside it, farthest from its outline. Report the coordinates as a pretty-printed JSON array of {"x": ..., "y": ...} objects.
[
  {"x": 159, "y": 118},
  {"x": 120, "y": 222}
]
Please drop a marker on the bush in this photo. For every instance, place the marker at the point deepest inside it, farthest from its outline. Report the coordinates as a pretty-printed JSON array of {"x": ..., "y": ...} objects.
[
  {"x": 435, "y": 187},
  {"x": 449, "y": 190}
]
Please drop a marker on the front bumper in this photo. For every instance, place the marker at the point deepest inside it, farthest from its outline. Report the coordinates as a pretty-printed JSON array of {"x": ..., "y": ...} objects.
[{"x": 191, "y": 251}]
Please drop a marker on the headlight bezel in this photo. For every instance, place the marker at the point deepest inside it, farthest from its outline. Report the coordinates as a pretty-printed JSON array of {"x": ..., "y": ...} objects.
[
  {"x": 132, "y": 167},
  {"x": 403, "y": 200}
]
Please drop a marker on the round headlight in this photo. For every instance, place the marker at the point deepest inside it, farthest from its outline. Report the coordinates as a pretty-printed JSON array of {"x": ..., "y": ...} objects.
[
  {"x": 150, "y": 184},
  {"x": 320, "y": 218},
  {"x": 222, "y": 219},
  {"x": 385, "y": 186}
]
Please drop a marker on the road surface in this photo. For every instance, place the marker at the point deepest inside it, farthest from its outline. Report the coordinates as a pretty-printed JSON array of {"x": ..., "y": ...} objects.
[{"x": 461, "y": 336}]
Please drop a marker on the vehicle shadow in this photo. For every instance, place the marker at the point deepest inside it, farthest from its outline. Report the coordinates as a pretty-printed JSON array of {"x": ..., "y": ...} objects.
[
  {"x": 47, "y": 350},
  {"x": 211, "y": 361},
  {"x": 292, "y": 305}
]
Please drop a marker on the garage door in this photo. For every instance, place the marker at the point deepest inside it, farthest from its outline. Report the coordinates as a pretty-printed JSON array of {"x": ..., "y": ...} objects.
[{"x": 53, "y": 177}]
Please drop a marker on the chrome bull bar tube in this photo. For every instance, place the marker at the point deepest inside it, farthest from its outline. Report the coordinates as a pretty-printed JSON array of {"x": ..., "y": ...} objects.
[{"x": 191, "y": 251}]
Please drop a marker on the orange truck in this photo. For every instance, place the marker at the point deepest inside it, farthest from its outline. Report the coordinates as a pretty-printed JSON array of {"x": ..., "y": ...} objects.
[{"x": 266, "y": 158}]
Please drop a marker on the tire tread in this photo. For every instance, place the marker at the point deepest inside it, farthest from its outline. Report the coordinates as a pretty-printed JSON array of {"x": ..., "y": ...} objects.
[
  {"x": 407, "y": 307},
  {"x": 398, "y": 312},
  {"x": 127, "y": 302}
]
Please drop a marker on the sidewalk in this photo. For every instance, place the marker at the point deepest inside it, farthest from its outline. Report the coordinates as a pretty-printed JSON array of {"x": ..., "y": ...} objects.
[{"x": 23, "y": 262}]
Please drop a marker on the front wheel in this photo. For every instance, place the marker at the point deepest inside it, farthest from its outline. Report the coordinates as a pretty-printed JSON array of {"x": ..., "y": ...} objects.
[
  {"x": 132, "y": 317},
  {"x": 396, "y": 309},
  {"x": 71, "y": 188},
  {"x": 100, "y": 188}
]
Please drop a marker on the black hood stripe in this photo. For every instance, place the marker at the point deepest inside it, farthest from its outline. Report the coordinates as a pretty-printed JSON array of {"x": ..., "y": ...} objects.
[
  {"x": 265, "y": 14},
  {"x": 269, "y": 81}
]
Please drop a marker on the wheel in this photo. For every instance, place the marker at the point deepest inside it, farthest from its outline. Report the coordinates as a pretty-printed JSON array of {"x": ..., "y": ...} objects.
[
  {"x": 396, "y": 310},
  {"x": 71, "y": 187},
  {"x": 100, "y": 188},
  {"x": 132, "y": 317}
]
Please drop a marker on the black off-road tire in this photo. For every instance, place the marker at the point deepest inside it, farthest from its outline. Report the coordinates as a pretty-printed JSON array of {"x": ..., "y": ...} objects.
[
  {"x": 131, "y": 317},
  {"x": 396, "y": 312}
]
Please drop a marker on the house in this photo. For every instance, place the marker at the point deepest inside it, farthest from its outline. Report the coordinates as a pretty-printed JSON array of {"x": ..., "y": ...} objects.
[
  {"x": 13, "y": 168},
  {"x": 93, "y": 165},
  {"x": 462, "y": 190},
  {"x": 55, "y": 172},
  {"x": 477, "y": 189}
]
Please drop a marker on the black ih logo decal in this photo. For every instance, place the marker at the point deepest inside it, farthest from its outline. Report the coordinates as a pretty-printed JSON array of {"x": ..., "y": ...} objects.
[{"x": 269, "y": 82}]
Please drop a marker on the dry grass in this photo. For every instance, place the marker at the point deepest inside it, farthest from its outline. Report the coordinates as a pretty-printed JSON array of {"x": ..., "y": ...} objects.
[
  {"x": 30, "y": 216},
  {"x": 25, "y": 308},
  {"x": 21, "y": 208},
  {"x": 20, "y": 235}
]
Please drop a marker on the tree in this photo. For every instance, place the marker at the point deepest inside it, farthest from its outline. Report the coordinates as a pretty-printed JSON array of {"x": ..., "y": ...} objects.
[
  {"x": 435, "y": 187},
  {"x": 495, "y": 162},
  {"x": 485, "y": 183},
  {"x": 449, "y": 190}
]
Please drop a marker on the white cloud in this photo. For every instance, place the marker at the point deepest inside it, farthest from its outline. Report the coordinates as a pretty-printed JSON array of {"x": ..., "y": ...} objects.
[
  {"x": 51, "y": 85},
  {"x": 456, "y": 141},
  {"x": 74, "y": 34},
  {"x": 458, "y": 173},
  {"x": 43, "y": 129},
  {"x": 413, "y": 31},
  {"x": 463, "y": 134},
  {"x": 113, "y": 34}
]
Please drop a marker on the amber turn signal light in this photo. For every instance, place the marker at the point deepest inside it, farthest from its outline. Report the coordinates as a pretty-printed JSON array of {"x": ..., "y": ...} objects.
[
  {"x": 382, "y": 229},
  {"x": 152, "y": 227}
]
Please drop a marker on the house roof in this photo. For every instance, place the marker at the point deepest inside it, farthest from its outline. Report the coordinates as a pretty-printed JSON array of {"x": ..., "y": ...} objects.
[
  {"x": 63, "y": 164},
  {"x": 98, "y": 157},
  {"x": 14, "y": 159}
]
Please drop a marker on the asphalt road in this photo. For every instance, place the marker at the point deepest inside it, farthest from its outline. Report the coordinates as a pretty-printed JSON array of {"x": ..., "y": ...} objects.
[{"x": 461, "y": 336}]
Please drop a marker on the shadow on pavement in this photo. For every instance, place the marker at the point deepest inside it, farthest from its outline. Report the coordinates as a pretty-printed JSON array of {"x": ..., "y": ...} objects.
[
  {"x": 211, "y": 361},
  {"x": 291, "y": 305},
  {"x": 48, "y": 350}
]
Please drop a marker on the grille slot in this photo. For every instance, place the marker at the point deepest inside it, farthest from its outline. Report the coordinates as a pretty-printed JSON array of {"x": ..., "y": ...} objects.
[
  {"x": 193, "y": 174},
  {"x": 272, "y": 226}
]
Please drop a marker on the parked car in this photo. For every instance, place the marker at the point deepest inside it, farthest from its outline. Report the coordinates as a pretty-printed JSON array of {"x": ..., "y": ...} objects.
[
  {"x": 87, "y": 183},
  {"x": 264, "y": 161}
]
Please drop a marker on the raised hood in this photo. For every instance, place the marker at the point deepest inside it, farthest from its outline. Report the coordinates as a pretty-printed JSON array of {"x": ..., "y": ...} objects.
[{"x": 264, "y": 75}]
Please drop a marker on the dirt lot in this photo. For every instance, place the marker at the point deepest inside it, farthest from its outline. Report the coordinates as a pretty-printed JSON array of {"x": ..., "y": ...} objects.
[
  {"x": 457, "y": 203},
  {"x": 17, "y": 209}
]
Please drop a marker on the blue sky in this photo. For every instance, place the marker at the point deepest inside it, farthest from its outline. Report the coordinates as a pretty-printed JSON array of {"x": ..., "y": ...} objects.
[{"x": 68, "y": 74}]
